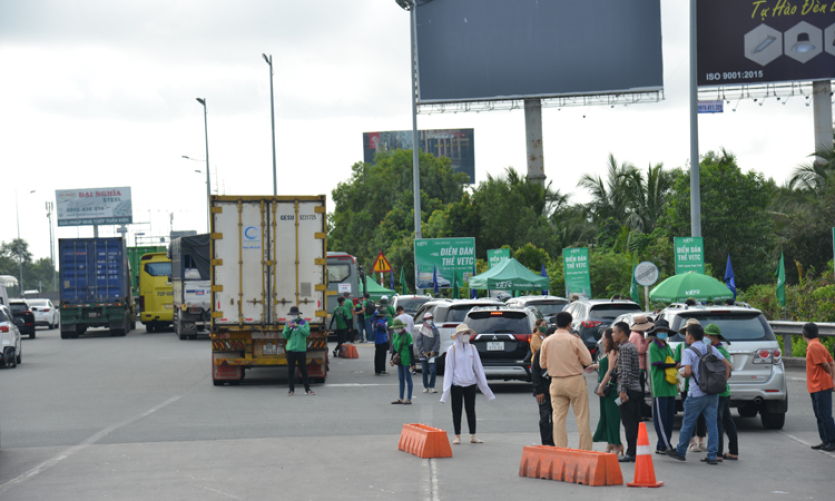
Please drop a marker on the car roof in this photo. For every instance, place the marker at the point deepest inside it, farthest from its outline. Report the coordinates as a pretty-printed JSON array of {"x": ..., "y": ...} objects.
[
  {"x": 18, "y": 300},
  {"x": 523, "y": 299},
  {"x": 595, "y": 302},
  {"x": 683, "y": 309},
  {"x": 503, "y": 307}
]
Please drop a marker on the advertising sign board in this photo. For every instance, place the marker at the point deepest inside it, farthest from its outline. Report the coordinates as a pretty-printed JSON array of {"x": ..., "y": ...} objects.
[
  {"x": 456, "y": 144},
  {"x": 577, "y": 272},
  {"x": 443, "y": 256},
  {"x": 690, "y": 255},
  {"x": 764, "y": 41},
  {"x": 495, "y": 256},
  {"x": 94, "y": 206}
]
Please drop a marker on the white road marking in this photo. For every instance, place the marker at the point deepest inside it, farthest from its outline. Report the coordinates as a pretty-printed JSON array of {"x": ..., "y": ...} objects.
[
  {"x": 83, "y": 445},
  {"x": 832, "y": 455},
  {"x": 356, "y": 385}
]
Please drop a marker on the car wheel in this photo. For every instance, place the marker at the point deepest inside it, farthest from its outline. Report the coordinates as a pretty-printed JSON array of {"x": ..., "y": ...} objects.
[
  {"x": 773, "y": 420},
  {"x": 32, "y": 334},
  {"x": 19, "y": 357},
  {"x": 748, "y": 411}
]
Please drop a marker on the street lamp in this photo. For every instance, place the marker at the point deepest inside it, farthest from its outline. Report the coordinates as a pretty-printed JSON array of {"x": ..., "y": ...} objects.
[
  {"x": 269, "y": 61},
  {"x": 19, "y": 242},
  {"x": 202, "y": 100}
]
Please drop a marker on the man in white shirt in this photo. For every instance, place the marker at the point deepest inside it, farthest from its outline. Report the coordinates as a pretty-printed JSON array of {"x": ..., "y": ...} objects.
[{"x": 406, "y": 319}]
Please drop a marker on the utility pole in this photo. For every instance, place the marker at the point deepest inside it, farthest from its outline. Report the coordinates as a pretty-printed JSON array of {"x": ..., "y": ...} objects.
[
  {"x": 202, "y": 100},
  {"x": 19, "y": 244},
  {"x": 695, "y": 186},
  {"x": 52, "y": 246},
  {"x": 269, "y": 61},
  {"x": 822, "y": 106}
]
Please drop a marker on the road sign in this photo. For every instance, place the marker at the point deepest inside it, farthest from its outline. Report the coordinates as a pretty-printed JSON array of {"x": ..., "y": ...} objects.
[
  {"x": 690, "y": 255},
  {"x": 646, "y": 274},
  {"x": 381, "y": 264},
  {"x": 577, "y": 272}
]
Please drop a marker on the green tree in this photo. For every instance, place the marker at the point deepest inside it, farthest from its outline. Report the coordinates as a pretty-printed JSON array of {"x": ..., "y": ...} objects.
[
  {"x": 611, "y": 197},
  {"x": 532, "y": 257}
]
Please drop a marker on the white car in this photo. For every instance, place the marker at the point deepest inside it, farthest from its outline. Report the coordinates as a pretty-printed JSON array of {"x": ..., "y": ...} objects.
[
  {"x": 45, "y": 313},
  {"x": 9, "y": 339}
]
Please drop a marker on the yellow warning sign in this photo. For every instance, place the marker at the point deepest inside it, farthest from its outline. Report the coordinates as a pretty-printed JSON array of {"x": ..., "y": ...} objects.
[{"x": 381, "y": 264}]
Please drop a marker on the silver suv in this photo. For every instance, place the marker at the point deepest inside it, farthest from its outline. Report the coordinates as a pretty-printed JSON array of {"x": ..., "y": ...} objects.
[
  {"x": 758, "y": 380},
  {"x": 503, "y": 339}
]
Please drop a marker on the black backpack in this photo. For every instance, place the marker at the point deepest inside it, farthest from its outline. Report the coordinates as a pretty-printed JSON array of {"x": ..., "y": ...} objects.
[{"x": 712, "y": 370}]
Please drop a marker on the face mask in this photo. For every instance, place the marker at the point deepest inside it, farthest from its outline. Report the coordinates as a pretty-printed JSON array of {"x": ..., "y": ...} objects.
[
  {"x": 428, "y": 322},
  {"x": 662, "y": 336},
  {"x": 542, "y": 329},
  {"x": 465, "y": 339}
]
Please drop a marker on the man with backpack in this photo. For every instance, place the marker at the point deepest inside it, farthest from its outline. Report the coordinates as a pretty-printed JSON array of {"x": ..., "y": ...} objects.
[{"x": 705, "y": 365}]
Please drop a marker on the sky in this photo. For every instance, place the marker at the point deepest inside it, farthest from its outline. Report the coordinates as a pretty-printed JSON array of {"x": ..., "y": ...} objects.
[{"x": 101, "y": 93}]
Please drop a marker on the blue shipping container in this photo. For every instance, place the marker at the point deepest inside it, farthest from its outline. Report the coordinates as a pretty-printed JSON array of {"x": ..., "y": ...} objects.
[{"x": 93, "y": 270}]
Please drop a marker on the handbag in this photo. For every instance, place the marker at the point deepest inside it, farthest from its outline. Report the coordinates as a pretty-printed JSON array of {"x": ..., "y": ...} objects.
[
  {"x": 396, "y": 358},
  {"x": 671, "y": 374},
  {"x": 607, "y": 390}
]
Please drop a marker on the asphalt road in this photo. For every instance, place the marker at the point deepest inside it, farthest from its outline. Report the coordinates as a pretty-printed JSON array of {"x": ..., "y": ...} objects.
[{"x": 137, "y": 417}]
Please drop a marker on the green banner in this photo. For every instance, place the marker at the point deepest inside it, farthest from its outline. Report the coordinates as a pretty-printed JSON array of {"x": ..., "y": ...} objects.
[
  {"x": 495, "y": 256},
  {"x": 443, "y": 256},
  {"x": 690, "y": 255},
  {"x": 575, "y": 264}
]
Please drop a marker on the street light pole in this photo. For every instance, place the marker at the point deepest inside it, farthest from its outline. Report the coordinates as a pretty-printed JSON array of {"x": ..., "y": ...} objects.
[
  {"x": 19, "y": 246},
  {"x": 202, "y": 100},
  {"x": 269, "y": 61},
  {"x": 51, "y": 246}
]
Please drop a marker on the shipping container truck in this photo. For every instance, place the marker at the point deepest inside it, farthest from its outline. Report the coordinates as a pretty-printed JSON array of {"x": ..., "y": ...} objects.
[
  {"x": 134, "y": 256},
  {"x": 156, "y": 308},
  {"x": 268, "y": 255},
  {"x": 190, "y": 285},
  {"x": 95, "y": 286}
]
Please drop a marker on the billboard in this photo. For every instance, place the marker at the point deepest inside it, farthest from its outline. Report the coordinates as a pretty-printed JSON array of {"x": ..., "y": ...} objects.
[
  {"x": 689, "y": 254},
  {"x": 94, "y": 206},
  {"x": 475, "y": 50},
  {"x": 443, "y": 257},
  {"x": 496, "y": 256},
  {"x": 456, "y": 144},
  {"x": 577, "y": 271},
  {"x": 764, "y": 41}
]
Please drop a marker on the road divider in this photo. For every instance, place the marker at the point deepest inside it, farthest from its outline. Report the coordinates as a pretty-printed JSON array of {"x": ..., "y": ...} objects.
[
  {"x": 570, "y": 465},
  {"x": 424, "y": 441}
]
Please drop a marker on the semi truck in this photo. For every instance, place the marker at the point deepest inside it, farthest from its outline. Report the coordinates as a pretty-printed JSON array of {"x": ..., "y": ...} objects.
[
  {"x": 268, "y": 254},
  {"x": 190, "y": 285},
  {"x": 95, "y": 286}
]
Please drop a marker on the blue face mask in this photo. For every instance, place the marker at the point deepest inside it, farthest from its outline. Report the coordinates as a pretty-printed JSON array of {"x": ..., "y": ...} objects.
[{"x": 662, "y": 336}]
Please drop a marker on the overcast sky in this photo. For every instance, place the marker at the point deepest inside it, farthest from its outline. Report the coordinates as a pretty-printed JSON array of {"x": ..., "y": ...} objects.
[{"x": 101, "y": 93}]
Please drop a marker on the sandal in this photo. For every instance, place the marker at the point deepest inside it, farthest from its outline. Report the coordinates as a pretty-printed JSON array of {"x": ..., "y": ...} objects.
[
  {"x": 475, "y": 441},
  {"x": 289, "y": 393},
  {"x": 456, "y": 441},
  {"x": 398, "y": 401},
  {"x": 730, "y": 457},
  {"x": 407, "y": 402},
  {"x": 310, "y": 392}
]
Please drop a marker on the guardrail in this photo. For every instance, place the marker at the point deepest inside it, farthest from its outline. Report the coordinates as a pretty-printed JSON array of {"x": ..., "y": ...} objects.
[{"x": 788, "y": 329}]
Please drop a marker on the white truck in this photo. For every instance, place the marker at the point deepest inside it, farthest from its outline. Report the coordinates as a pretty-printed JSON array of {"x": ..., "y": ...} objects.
[
  {"x": 190, "y": 285},
  {"x": 268, "y": 254}
]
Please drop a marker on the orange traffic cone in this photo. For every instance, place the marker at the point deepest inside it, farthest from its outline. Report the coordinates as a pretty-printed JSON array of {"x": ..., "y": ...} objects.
[{"x": 644, "y": 471}]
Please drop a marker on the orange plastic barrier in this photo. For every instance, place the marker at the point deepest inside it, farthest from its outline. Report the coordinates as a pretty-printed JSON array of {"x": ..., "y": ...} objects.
[
  {"x": 424, "y": 441},
  {"x": 644, "y": 470},
  {"x": 570, "y": 465},
  {"x": 348, "y": 351}
]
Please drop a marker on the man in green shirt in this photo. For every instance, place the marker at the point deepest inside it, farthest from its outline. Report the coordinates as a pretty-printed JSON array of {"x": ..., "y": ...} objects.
[
  {"x": 663, "y": 391},
  {"x": 725, "y": 422},
  {"x": 368, "y": 310},
  {"x": 341, "y": 314},
  {"x": 296, "y": 330}
]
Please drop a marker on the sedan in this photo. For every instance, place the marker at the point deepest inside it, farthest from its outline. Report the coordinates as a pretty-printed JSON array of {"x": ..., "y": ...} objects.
[{"x": 45, "y": 312}]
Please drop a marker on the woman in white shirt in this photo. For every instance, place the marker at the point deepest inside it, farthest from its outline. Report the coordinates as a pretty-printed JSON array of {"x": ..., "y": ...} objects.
[{"x": 463, "y": 372}]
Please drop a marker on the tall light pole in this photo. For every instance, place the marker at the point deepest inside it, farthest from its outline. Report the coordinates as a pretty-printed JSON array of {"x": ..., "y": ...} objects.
[
  {"x": 695, "y": 186},
  {"x": 49, "y": 209},
  {"x": 19, "y": 242},
  {"x": 269, "y": 61},
  {"x": 202, "y": 100}
]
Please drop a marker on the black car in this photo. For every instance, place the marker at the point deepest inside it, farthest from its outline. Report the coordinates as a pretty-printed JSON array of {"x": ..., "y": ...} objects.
[
  {"x": 24, "y": 318},
  {"x": 503, "y": 339},
  {"x": 591, "y": 316}
]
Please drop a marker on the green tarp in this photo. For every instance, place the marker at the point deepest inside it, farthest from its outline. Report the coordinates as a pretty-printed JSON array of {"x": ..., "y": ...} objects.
[
  {"x": 376, "y": 291},
  {"x": 509, "y": 274}
]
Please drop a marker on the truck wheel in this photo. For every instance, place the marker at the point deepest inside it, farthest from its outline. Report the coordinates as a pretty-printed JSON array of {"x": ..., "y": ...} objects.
[
  {"x": 217, "y": 383},
  {"x": 773, "y": 420}
]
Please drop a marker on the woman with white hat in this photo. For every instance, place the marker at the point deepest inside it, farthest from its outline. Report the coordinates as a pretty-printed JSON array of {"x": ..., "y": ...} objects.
[{"x": 463, "y": 372}]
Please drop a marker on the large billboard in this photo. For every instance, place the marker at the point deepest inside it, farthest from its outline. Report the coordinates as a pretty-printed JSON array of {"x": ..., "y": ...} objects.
[
  {"x": 94, "y": 206},
  {"x": 475, "y": 50},
  {"x": 456, "y": 144},
  {"x": 441, "y": 257},
  {"x": 765, "y": 41}
]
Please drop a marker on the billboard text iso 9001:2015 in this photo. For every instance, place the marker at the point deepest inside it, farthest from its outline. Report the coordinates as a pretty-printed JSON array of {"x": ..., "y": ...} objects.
[{"x": 94, "y": 206}]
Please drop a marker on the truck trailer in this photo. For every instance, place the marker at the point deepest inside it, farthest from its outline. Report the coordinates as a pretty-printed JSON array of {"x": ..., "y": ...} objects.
[
  {"x": 95, "y": 286},
  {"x": 268, "y": 254},
  {"x": 190, "y": 285}
]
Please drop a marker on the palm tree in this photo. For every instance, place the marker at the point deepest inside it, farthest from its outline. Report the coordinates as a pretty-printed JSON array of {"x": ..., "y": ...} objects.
[
  {"x": 610, "y": 197},
  {"x": 648, "y": 196},
  {"x": 817, "y": 176}
]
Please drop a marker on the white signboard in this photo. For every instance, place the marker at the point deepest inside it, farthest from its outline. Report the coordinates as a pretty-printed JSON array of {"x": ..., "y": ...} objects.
[
  {"x": 95, "y": 206},
  {"x": 343, "y": 288}
]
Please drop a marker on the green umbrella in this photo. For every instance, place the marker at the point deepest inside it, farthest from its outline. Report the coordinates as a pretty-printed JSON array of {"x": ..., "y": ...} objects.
[
  {"x": 403, "y": 289},
  {"x": 456, "y": 291},
  {"x": 678, "y": 288}
]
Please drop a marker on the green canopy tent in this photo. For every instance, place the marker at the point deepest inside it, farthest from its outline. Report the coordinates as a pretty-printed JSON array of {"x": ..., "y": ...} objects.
[
  {"x": 376, "y": 291},
  {"x": 509, "y": 274},
  {"x": 678, "y": 288}
]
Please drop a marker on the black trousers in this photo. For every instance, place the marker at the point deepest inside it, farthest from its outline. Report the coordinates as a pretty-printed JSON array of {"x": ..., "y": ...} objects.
[
  {"x": 646, "y": 409},
  {"x": 546, "y": 420},
  {"x": 380, "y": 351},
  {"x": 299, "y": 358},
  {"x": 725, "y": 424},
  {"x": 630, "y": 416},
  {"x": 465, "y": 395},
  {"x": 340, "y": 338}
]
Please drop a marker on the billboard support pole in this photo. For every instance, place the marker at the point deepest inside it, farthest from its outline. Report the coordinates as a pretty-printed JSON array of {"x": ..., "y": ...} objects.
[
  {"x": 415, "y": 138},
  {"x": 695, "y": 190},
  {"x": 821, "y": 92},
  {"x": 533, "y": 139}
]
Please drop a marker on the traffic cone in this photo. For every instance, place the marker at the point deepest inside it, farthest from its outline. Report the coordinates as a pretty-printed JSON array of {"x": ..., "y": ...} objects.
[{"x": 644, "y": 471}]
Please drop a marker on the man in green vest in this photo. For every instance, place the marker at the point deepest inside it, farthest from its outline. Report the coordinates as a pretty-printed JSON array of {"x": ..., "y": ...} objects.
[
  {"x": 295, "y": 333},
  {"x": 341, "y": 315}
]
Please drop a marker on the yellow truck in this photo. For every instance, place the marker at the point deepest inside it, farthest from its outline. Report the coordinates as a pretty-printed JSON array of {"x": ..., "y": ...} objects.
[
  {"x": 156, "y": 309},
  {"x": 268, "y": 254}
]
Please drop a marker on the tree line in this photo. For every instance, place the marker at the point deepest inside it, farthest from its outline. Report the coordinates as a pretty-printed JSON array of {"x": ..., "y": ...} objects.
[{"x": 34, "y": 271}]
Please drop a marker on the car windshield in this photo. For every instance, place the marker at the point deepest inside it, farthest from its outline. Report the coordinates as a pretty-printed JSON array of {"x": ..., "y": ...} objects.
[
  {"x": 411, "y": 305},
  {"x": 495, "y": 322},
  {"x": 158, "y": 269},
  {"x": 18, "y": 307},
  {"x": 458, "y": 312},
  {"x": 612, "y": 310},
  {"x": 338, "y": 272},
  {"x": 735, "y": 327},
  {"x": 550, "y": 308},
  {"x": 38, "y": 302}
]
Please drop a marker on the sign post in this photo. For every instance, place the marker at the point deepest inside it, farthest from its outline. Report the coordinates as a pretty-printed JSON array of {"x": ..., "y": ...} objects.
[
  {"x": 690, "y": 255},
  {"x": 443, "y": 256},
  {"x": 646, "y": 274},
  {"x": 575, "y": 264},
  {"x": 381, "y": 265}
]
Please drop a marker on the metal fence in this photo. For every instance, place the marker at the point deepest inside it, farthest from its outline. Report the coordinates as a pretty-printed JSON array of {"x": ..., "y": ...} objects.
[{"x": 788, "y": 329}]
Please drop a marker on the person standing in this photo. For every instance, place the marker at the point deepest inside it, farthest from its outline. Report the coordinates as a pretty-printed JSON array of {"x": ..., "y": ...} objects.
[
  {"x": 428, "y": 344},
  {"x": 341, "y": 315},
  {"x": 404, "y": 358},
  {"x": 350, "y": 304},
  {"x": 463, "y": 372},
  {"x": 639, "y": 340},
  {"x": 360, "y": 323},
  {"x": 698, "y": 403},
  {"x": 608, "y": 428},
  {"x": 541, "y": 384},
  {"x": 295, "y": 347},
  {"x": 629, "y": 389},
  {"x": 664, "y": 379},
  {"x": 820, "y": 371},
  {"x": 389, "y": 309},
  {"x": 406, "y": 319},
  {"x": 724, "y": 420},
  {"x": 697, "y": 442},
  {"x": 368, "y": 311},
  {"x": 539, "y": 329},
  {"x": 381, "y": 341},
  {"x": 565, "y": 356}
]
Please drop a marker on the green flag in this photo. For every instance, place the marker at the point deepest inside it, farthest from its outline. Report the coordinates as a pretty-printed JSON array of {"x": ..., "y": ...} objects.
[
  {"x": 403, "y": 289},
  {"x": 456, "y": 291},
  {"x": 781, "y": 282},
  {"x": 634, "y": 289}
]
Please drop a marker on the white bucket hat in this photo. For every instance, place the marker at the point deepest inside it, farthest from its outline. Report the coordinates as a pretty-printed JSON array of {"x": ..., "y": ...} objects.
[{"x": 462, "y": 329}]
